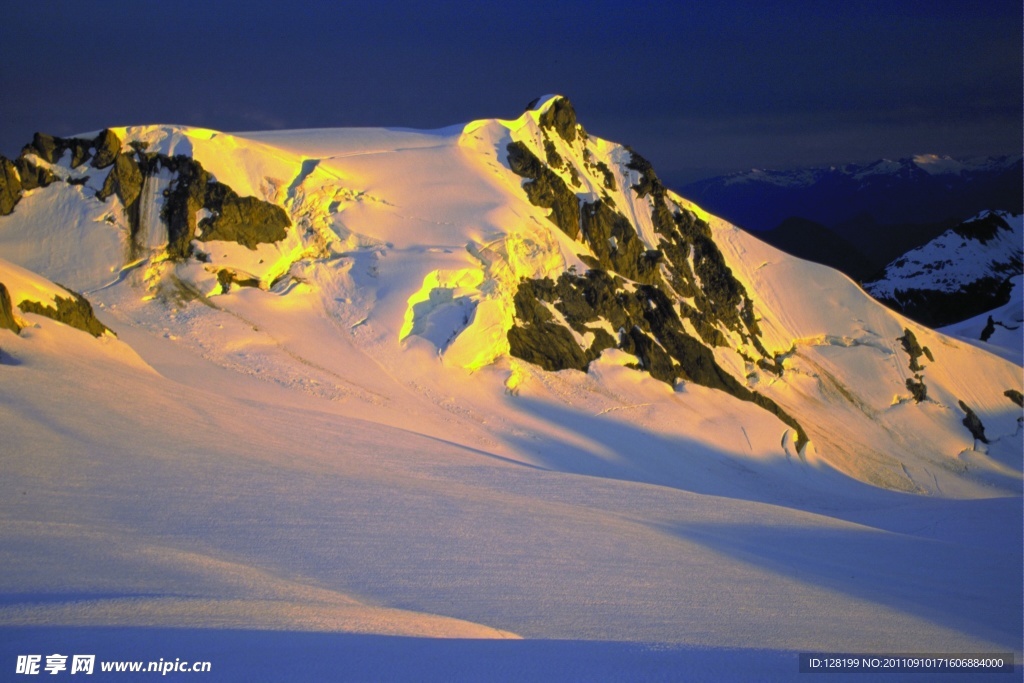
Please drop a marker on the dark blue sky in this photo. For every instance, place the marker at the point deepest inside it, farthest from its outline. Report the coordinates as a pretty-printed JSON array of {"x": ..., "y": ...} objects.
[{"x": 697, "y": 87}]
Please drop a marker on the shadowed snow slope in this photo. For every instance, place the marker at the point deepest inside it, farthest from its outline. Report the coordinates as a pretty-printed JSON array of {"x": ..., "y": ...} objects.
[{"x": 489, "y": 382}]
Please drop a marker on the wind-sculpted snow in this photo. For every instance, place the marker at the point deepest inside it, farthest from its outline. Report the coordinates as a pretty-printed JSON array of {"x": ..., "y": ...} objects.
[{"x": 483, "y": 381}]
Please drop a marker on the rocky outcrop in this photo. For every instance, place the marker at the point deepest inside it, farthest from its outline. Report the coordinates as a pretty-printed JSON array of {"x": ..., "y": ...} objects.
[
  {"x": 973, "y": 423},
  {"x": 914, "y": 349},
  {"x": 615, "y": 244},
  {"x": 982, "y": 229},
  {"x": 228, "y": 278},
  {"x": 125, "y": 180},
  {"x": 32, "y": 175},
  {"x": 546, "y": 189},
  {"x": 74, "y": 310},
  {"x": 7, "y": 321},
  {"x": 108, "y": 148},
  {"x": 915, "y": 385},
  {"x": 632, "y": 297},
  {"x": 560, "y": 117},
  {"x": 102, "y": 151},
  {"x": 10, "y": 186},
  {"x": 917, "y": 388},
  {"x": 246, "y": 220}
]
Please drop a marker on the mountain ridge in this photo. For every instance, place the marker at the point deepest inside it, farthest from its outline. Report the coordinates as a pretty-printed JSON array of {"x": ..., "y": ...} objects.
[{"x": 631, "y": 266}]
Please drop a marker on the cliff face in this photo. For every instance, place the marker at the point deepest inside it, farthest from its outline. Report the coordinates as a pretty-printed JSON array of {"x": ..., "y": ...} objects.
[
  {"x": 246, "y": 220},
  {"x": 668, "y": 300}
]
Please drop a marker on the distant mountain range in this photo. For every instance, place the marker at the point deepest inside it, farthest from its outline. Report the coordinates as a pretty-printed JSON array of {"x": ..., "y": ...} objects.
[
  {"x": 860, "y": 217},
  {"x": 921, "y": 189}
]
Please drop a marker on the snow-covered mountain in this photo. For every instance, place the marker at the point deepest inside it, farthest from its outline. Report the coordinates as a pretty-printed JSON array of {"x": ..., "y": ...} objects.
[
  {"x": 488, "y": 381},
  {"x": 960, "y": 274}
]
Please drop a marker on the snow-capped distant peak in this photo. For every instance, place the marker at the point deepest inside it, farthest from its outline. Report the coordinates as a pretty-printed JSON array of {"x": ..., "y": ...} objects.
[
  {"x": 938, "y": 165},
  {"x": 960, "y": 273},
  {"x": 932, "y": 164},
  {"x": 798, "y": 178},
  {"x": 880, "y": 167}
]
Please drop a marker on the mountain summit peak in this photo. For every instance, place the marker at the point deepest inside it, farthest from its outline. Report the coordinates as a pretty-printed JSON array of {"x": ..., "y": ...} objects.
[
  {"x": 556, "y": 112},
  {"x": 545, "y": 102}
]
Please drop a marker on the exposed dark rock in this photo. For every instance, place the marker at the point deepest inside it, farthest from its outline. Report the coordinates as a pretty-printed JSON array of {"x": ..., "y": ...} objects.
[
  {"x": 973, "y": 423},
  {"x": 982, "y": 229},
  {"x": 548, "y": 345},
  {"x": 108, "y": 147},
  {"x": 81, "y": 151},
  {"x": 545, "y": 189},
  {"x": 937, "y": 309},
  {"x": 10, "y": 186},
  {"x": 691, "y": 255},
  {"x": 7, "y": 321},
  {"x": 773, "y": 366},
  {"x": 184, "y": 198},
  {"x": 597, "y": 167},
  {"x": 554, "y": 158},
  {"x": 561, "y": 118},
  {"x": 44, "y": 146},
  {"x": 609, "y": 177},
  {"x": 912, "y": 348},
  {"x": 917, "y": 388},
  {"x": 1015, "y": 396},
  {"x": 25, "y": 174},
  {"x": 647, "y": 313},
  {"x": 246, "y": 220},
  {"x": 33, "y": 176},
  {"x": 649, "y": 184},
  {"x": 574, "y": 176},
  {"x": 51, "y": 149},
  {"x": 651, "y": 357},
  {"x": 615, "y": 243},
  {"x": 650, "y": 329},
  {"x": 227, "y": 278},
  {"x": 125, "y": 179},
  {"x": 990, "y": 328},
  {"x": 74, "y": 310}
]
